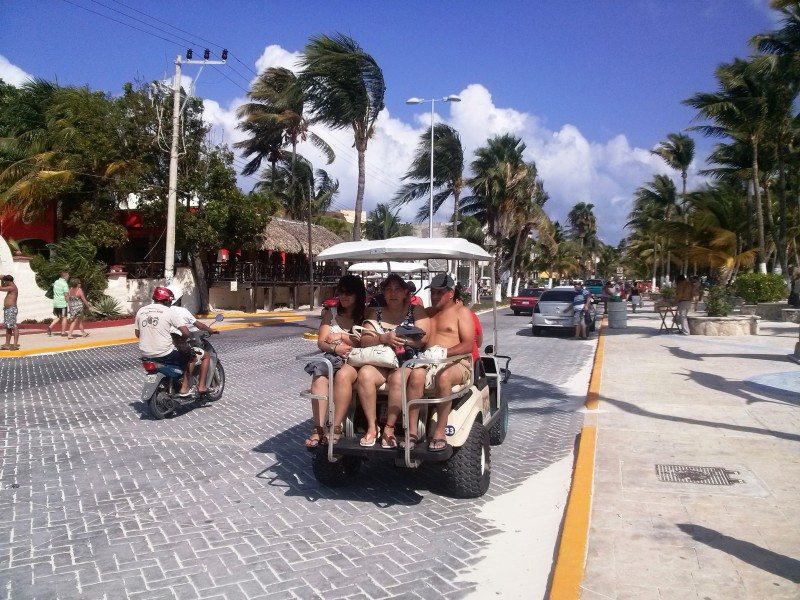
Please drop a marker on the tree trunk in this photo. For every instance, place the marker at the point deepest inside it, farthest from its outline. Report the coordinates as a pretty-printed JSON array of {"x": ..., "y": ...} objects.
[
  {"x": 685, "y": 267},
  {"x": 455, "y": 212},
  {"x": 59, "y": 219},
  {"x": 655, "y": 264},
  {"x": 782, "y": 244},
  {"x": 361, "y": 147},
  {"x": 762, "y": 259},
  {"x": 200, "y": 280},
  {"x": 510, "y": 287}
]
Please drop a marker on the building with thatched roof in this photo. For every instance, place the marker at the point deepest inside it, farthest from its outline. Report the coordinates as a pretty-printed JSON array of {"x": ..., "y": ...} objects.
[{"x": 285, "y": 235}]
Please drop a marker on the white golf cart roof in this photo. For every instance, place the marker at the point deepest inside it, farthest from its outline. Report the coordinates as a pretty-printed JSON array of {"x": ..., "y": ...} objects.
[
  {"x": 394, "y": 267},
  {"x": 405, "y": 248}
]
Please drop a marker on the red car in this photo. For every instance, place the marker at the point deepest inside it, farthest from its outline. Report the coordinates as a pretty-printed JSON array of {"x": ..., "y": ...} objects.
[{"x": 526, "y": 300}]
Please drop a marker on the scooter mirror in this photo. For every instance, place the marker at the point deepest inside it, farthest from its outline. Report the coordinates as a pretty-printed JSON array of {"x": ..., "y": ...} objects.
[
  {"x": 489, "y": 349},
  {"x": 219, "y": 317}
]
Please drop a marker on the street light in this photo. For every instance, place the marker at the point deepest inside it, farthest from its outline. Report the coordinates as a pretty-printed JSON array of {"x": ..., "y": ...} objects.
[{"x": 415, "y": 100}]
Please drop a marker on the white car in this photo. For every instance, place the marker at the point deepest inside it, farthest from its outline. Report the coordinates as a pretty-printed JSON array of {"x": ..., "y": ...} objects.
[{"x": 554, "y": 311}]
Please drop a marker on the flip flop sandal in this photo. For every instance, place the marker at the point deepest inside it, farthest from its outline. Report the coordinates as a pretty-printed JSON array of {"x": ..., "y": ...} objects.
[
  {"x": 313, "y": 442},
  {"x": 412, "y": 439},
  {"x": 388, "y": 440},
  {"x": 5, "y": 347},
  {"x": 435, "y": 446},
  {"x": 369, "y": 440}
]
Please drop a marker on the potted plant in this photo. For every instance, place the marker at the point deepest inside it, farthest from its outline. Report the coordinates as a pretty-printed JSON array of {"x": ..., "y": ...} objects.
[
  {"x": 717, "y": 302},
  {"x": 667, "y": 297}
]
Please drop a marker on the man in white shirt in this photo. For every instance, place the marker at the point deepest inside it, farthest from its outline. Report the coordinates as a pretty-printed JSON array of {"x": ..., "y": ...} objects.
[
  {"x": 152, "y": 327},
  {"x": 194, "y": 326}
]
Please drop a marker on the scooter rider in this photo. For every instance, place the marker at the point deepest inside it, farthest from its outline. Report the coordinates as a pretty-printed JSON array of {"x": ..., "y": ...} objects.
[
  {"x": 153, "y": 324},
  {"x": 185, "y": 346}
]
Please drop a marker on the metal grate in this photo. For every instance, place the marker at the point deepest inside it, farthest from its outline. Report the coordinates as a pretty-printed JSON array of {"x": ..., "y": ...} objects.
[{"x": 701, "y": 475}]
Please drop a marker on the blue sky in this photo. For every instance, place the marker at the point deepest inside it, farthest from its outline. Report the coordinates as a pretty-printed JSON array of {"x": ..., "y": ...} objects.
[{"x": 590, "y": 86}]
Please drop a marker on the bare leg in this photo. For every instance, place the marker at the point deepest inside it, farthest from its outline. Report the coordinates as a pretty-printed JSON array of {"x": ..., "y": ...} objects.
[
  {"x": 369, "y": 380},
  {"x": 415, "y": 388},
  {"x": 8, "y": 339},
  {"x": 343, "y": 383},
  {"x": 201, "y": 379},
  {"x": 63, "y": 325},
  {"x": 80, "y": 324},
  {"x": 445, "y": 380},
  {"x": 72, "y": 328},
  {"x": 16, "y": 337}
]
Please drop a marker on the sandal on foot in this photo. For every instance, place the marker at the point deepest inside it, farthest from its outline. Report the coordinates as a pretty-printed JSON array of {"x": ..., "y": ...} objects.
[
  {"x": 336, "y": 434},
  {"x": 5, "y": 347},
  {"x": 49, "y": 332},
  {"x": 315, "y": 438},
  {"x": 387, "y": 439},
  {"x": 437, "y": 445},
  {"x": 369, "y": 440},
  {"x": 412, "y": 441}
]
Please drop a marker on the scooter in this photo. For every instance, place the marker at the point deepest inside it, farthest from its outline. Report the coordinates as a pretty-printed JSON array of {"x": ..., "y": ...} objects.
[{"x": 163, "y": 382}]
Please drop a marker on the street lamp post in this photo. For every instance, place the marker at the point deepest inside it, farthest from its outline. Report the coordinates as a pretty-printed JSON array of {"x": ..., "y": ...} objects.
[{"x": 415, "y": 100}]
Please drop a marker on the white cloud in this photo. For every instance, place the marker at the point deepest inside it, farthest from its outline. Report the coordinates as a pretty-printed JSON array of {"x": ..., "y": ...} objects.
[
  {"x": 574, "y": 169},
  {"x": 12, "y": 74}
]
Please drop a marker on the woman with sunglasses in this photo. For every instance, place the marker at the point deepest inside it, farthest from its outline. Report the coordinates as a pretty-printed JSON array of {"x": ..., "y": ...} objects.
[{"x": 336, "y": 341}]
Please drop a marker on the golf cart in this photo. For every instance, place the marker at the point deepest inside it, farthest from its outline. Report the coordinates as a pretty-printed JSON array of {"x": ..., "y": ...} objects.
[{"x": 479, "y": 413}]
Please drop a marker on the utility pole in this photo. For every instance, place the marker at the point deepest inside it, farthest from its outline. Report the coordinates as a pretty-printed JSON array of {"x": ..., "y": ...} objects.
[{"x": 177, "y": 110}]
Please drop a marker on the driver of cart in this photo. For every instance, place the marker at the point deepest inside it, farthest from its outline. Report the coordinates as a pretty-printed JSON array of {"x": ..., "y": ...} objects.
[
  {"x": 452, "y": 333},
  {"x": 397, "y": 311},
  {"x": 184, "y": 346},
  {"x": 336, "y": 340}
]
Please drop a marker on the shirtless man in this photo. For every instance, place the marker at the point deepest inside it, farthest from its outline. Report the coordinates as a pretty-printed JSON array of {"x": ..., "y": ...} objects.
[
  {"x": 453, "y": 332},
  {"x": 8, "y": 286}
]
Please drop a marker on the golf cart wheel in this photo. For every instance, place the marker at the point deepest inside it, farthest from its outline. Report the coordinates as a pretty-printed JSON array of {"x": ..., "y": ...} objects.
[
  {"x": 335, "y": 474},
  {"x": 466, "y": 473},
  {"x": 160, "y": 403},
  {"x": 498, "y": 431},
  {"x": 537, "y": 331},
  {"x": 217, "y": 384}
]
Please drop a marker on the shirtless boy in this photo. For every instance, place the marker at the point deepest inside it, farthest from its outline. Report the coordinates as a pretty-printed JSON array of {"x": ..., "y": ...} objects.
[
  {"x": 8, "y": 286},
  {"x": 453, "y": 331}
]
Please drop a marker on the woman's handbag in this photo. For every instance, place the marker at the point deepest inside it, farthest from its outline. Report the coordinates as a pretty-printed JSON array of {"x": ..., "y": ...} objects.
[{"x": 380, "y": 355}]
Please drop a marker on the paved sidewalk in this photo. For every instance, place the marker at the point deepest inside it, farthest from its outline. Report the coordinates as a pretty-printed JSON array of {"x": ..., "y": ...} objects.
[
  {"x": 39, "y": 342},
  {"x": 690, "y": 401}
]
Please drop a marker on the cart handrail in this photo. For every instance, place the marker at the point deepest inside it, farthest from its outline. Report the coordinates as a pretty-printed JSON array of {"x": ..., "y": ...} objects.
[{"x": 319, "y": 357}]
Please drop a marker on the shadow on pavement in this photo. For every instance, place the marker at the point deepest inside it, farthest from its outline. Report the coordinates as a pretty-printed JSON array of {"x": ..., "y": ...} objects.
[
  {"x": 735, "y": 387},
  {"x": 379, "y": 483},
  {"x": 681, "y": 353},
  {"x": 636, "y": 410},
  {"x": 766, "y": 560}
]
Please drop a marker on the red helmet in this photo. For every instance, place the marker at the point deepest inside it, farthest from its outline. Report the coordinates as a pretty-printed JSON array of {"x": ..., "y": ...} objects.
[{"x": 161, "y": 293}]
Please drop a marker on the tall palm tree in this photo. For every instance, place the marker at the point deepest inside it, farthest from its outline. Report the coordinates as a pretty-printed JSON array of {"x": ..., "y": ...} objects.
[
  {"x": 739, "y": 109},
  {"x": 383, "y": 224},
  {"x": 448, "y": 172},
  {"x": 310, "y": 186},
  {"x": 501, "y": 178},
  {"x": 652, "y": 206},
  {"x": 678, "y": 152},
  {"x": 345, "y": 89},
  {"x": 583, "y": 229},
  {"x": 274, "y": 118}
]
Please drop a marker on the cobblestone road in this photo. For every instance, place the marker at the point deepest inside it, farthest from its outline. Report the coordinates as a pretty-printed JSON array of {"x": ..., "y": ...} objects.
[{"x": 97, "y": 500}]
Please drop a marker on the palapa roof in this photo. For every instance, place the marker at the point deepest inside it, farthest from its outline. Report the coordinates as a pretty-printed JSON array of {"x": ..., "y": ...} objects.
[{"x": 292, "y": 237}]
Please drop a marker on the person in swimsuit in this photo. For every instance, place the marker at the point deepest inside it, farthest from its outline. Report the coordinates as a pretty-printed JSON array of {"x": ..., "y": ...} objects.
[
  {"x": 8, "y": 286},
  {"x": 398, "y": 311},
  {"x": 76, "y": 303},
  {"x": 336, "y": 341}
]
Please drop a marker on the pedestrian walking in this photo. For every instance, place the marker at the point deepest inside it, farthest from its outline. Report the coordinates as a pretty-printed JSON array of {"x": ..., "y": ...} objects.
[
  {"x": 60, "y": 290},
  {"x": 76, "y": 303},
  {"x": 683, "y": 296},
  {"x": 635, "y": 296},
  {"x": 8, "y": 286}
]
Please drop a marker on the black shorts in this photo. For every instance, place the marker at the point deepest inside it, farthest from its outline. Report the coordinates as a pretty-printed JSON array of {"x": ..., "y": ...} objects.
[
  {"x": 60, "y": 312},
  {"x": 173, "y": 358}
]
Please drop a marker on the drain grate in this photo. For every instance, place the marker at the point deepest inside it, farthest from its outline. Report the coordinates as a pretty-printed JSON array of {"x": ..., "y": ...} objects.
[{"x": 701, "y": 475}]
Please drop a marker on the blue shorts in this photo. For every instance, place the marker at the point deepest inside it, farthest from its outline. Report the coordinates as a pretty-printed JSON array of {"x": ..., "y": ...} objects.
[{"x": 173, "y": 358}]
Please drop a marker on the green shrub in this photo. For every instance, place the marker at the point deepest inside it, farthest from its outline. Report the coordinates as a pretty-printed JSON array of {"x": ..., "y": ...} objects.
[
  {"x": 717, "y": 302},
  {"x": 76, "y": 255},
  {"x": 107, "y": 307},
  {"x": 668, "y": 292},
  {"x": 761, "y": 287}
]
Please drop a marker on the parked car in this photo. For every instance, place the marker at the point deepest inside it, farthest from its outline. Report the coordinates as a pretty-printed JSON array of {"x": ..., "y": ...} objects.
[
  {"x": 595, "y": 287},
  {"x": 554, "y": 311},
  {"x": 526, "y": 300}
]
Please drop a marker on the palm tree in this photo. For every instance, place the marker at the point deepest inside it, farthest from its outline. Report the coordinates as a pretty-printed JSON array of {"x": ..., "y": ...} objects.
[
  {"x": 448, "y": 172},
  {"x": 739, "y": 109},
  {"x": 345, "y": 89},
  {"x": 583, "y": 229},
  {"x": 314, "y": 186},
  {"x": 383, "y": 224},
  {"x": 274, "y": 118},
  {"x": 652, "y": 206}
]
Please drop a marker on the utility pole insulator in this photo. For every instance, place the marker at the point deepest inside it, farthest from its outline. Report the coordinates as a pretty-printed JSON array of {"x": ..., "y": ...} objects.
[
  {"x": 207, "y": 54},
  {"x": 225, "y": 54},
  {"x": 189, "y": 54}
]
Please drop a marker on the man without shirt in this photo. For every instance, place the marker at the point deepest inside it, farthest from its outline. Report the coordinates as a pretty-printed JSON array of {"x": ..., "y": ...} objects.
[
  {"x": 8, "y": 286},
  {"x": 153, "y": 324},
  {"x": 453, "y": 333}
]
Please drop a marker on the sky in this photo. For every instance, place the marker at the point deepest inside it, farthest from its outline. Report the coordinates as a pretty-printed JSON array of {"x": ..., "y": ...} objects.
[{"x": 590, "y": 86}]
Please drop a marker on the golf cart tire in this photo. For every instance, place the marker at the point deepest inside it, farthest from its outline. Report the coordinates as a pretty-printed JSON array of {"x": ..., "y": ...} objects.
[
  {"x": 217, "y": 383},
  {"x": 335, "y": 474},
  {"x": 463, "y": 475},
  {"x": 498, "y": 431},
  {"x": 160, "y": 404},
  {"x": 537, "y": 331}
]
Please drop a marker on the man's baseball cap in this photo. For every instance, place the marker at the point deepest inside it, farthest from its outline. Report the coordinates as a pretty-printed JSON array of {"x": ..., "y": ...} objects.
[{"x": 442, "y": 281}]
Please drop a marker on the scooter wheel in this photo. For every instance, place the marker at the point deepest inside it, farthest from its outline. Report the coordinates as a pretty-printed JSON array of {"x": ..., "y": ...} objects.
[{"x": 160, "y": 403}]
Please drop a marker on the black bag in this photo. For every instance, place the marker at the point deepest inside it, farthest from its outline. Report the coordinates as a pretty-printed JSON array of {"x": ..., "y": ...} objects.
[{"x": 49, "y": 293}]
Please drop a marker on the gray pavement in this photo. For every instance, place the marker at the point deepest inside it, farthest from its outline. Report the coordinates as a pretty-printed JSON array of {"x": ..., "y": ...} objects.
[
  {"x": 697, "y": 467},
  {"x": 99, "y": 501}
]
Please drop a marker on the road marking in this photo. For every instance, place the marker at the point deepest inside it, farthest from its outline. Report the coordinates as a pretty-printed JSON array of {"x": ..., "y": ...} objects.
[{"x": 571, "y": 557}]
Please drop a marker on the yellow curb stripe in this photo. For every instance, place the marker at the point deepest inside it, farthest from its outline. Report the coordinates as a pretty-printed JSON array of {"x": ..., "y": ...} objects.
[
  {"x": 131, "y": 340},
  {"x": 571, "y": 556}
]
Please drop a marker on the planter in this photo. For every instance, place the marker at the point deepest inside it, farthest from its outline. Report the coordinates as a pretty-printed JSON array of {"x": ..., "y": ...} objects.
[
  {"x": 748, "y": 309},
  {"x": 771, "y": 311},
  {"x": 724, "y": 326},
  {"x": 617, "y": 315},
  {"x": 790, "y": 315}
]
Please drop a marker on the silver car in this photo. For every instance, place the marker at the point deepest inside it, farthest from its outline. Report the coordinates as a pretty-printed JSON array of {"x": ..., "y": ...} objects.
[{"x": 554, "y": 311}]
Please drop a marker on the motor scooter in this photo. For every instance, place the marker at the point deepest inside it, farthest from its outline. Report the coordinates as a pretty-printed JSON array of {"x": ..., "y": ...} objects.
[{"x": 163, "y": 382}]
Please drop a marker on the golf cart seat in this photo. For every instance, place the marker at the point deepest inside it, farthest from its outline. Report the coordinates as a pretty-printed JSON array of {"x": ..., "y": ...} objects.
[{"x": 384, "y": 389}]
